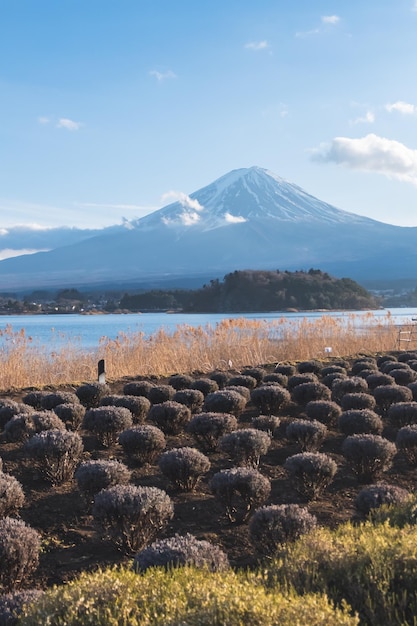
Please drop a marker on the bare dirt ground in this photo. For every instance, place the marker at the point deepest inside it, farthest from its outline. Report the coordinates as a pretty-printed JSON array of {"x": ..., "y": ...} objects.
[{"x": 72, "y": 543}]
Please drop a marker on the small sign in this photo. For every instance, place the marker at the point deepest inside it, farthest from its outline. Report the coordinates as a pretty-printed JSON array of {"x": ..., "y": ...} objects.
[
  {"x": 101, "y": 372},
  {"x": 328, "y": 349}
]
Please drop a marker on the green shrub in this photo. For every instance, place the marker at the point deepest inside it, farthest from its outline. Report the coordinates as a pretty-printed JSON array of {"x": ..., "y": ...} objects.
[
  {"x": 178, "y": 551},
  {"x": 12, "y": 497},
  {"x": 185, "y": 596},
  {"x": 368, "y": 455},
  {"x": 245, "y": 446},
  {"x": 142, "y": 444},
  {"x": 183, "y": 467},
  {"x": 19, "y": 553},
  {"x": 107, "y": 422},
  {"x": 373, "y": 568},
  {"x": 207, "y": 428},
  {"x": 273, "y": 526},
  {"x": 240, "y": 490},
  {"x": 130, "y": 516},
  {"x": 308, "y": 434},
  {"x": 310, "y": 473},
  {"x": 55, "y": 453}
]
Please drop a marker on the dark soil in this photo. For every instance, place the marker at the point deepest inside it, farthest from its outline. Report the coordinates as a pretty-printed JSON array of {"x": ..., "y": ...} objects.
[{"x": 72, "y": 543}]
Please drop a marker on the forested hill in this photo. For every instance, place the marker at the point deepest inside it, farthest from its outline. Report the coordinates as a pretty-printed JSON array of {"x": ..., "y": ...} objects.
[{"x": 250, "y": 290}]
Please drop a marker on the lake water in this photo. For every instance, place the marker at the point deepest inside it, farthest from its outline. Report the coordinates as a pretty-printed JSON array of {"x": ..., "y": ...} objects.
[{"x": 88, "y": 330}]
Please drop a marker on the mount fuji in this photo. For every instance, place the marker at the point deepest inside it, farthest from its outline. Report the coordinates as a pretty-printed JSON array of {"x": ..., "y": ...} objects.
[{"x": 248, "y": 219}]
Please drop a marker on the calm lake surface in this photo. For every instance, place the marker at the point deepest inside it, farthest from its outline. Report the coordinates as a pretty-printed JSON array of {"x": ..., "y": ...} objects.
[{"x": 55, "y": 330}]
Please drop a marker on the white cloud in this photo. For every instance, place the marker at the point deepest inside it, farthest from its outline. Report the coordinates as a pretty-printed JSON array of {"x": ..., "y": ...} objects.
[
  {"x": 183, "y": 199},
  {"x": 373, "y": 154},
  {"x": 234, "y": 219},
  {"x": 65, "y": 122},
  {"x": 191, "y": 209},
  {"x": 402, "y": 107},
  {"x": 43, "y": 120},
  {"x": 330, "y": 19},
  {"x": 368, "y": 118},
  {"x": 9, "y": 253},
  {"x": 414, "y": 7},
  {"x": 307, "y": 33},
  {"x": 257, "y": 45},
  {"x": 162, "y": 75}
]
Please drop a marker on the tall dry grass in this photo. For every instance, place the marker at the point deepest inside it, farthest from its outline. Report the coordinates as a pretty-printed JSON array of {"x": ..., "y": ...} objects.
[{"x": 229, "y": 344}]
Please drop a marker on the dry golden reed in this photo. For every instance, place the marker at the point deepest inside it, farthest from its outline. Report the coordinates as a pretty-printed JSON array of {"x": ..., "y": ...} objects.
[{"x": 230, "y": 344}]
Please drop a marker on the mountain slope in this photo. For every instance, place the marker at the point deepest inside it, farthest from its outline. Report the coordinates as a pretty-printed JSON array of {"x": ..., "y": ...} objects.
[{"x": 247, "y": 219}]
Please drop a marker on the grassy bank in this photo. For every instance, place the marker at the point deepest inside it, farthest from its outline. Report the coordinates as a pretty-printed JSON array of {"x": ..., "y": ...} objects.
[{"x": 229, "y": 344}]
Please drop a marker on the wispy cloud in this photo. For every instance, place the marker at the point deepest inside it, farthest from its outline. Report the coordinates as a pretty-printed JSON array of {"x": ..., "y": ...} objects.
[
  {"x": 257, "y": 45},
  {"x": 122, "y": 207},
  {"x": 186, "y": 201},
  {"x": 65, "y": 122},
  {"x": 414, "y": 7},
  {"x": 9, "y": 253},
  {"x": 368, "y": 118},
  {"x": 307, "y": 33},
  {"x": 162, "y": 75},
  {"x": 190, "y": 214},
  {"x": 402, "y": 107},
  {"x": 234, "y": 219},
  {"x": 326, "y": 20},
  {"x": 330, "y": 19},
  {"x": 43, "y": 120},
  {"x": 372, "y": 154}
]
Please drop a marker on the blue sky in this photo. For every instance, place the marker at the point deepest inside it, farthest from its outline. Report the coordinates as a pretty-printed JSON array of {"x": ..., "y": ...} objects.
[{"x": 106, "y": 106}]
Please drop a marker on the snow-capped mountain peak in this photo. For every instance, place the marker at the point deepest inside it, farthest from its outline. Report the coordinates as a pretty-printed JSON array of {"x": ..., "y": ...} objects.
[{"x": 244, "y": 195}]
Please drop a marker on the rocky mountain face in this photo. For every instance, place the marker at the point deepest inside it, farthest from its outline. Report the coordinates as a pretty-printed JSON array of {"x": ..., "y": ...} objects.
[{"x": 248, "y": 219}]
